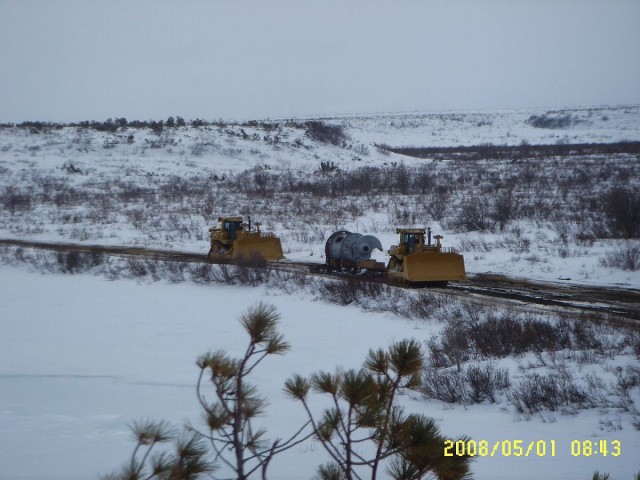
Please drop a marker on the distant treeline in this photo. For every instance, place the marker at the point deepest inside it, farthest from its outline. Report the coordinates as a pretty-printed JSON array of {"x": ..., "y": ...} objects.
[
  {"x": 510, "y": 152},
  {"x": 120, "y": 124}
]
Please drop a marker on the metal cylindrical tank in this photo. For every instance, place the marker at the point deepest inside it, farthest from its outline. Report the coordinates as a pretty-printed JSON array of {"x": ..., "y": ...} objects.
[{"x": 344, "y": 249}]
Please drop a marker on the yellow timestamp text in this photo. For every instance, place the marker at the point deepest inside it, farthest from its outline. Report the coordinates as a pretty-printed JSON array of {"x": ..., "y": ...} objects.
[
  {"x": 537, "y": 448},
  {"x": 592, "y": 448}
]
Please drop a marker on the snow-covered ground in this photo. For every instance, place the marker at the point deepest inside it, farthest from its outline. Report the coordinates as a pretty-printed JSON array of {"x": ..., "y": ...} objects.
[
  {"x": 164, "y": 189},
  {"x": 506, "y": 127},
  {"x": 81, "y": 358}
]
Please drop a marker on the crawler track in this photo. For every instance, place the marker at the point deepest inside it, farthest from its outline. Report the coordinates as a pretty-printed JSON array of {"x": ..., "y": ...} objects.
[
  {"x": 109, "y": 250},
  {"x": 623, "y": 303},
  {"x": 620, "y": 303}
]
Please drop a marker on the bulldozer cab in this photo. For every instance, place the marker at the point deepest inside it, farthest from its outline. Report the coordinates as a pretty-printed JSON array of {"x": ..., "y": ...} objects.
[
  {"x": 410, "y": 240},
  {"x": 231, "y": 226}
]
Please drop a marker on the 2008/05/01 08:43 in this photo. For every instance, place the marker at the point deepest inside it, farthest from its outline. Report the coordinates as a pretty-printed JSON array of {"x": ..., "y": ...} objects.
[{"x": 539, "y": 448}]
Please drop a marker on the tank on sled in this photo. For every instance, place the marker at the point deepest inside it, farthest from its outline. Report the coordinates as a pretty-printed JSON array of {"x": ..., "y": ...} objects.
[
  {"x": 352, "y": 251},
  {"x": 412, "y": 262}
]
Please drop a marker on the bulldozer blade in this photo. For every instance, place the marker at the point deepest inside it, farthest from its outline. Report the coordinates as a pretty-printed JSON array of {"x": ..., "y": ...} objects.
[
  {"x": 433, "y": 267},
  {"x": 267, "y": 248}
]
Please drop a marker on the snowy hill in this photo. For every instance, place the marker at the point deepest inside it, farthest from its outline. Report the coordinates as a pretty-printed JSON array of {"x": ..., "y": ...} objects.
[
  {"x": 107, "y": 182},
  {"x": 82, "y": 356}
]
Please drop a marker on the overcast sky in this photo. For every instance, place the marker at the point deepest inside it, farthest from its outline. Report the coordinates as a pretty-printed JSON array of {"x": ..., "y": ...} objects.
[{"x": 72, "y": 60}]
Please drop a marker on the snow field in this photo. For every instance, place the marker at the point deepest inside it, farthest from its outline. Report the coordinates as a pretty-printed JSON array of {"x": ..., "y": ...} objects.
[{"x": 82, "y": 357}]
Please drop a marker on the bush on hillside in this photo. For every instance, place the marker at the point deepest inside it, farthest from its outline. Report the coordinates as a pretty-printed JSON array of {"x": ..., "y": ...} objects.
[{"x": 325, "y": 133}]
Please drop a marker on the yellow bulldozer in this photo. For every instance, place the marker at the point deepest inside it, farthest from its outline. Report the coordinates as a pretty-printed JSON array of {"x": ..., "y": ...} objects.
[
  {"x": 236, "y": 241},
  {"x": 413, "y": 261}
]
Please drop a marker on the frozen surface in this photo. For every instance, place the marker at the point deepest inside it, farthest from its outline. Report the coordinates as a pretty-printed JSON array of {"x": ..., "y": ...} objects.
[{"x": 82, "y": 357}]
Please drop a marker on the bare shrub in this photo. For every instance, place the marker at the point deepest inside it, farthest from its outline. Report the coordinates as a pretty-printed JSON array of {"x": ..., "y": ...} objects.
[
  {"x": 224, "y": 273},
  {"x": 452, "y": 347},
  {"x": 202, "y": 273},
  {"x": 74, "y": 261},
  {"x": 443, "y": 384},
  {"x": 438, "y": 207},
  {"x": 583, "y": 334},
  {"x": 474, "y": 215},
  {"x": 622, "y": 208},
  {"x": 421, "y": 305},
  {"x": 536, "y": 392},
  {"x": 288, "y": 282},
  {"x": 361, "y": 149},
  {"x": 476, "y": 384},
  {"x": 552, "y": 120},
  {"x": 325, "y": 133},
  {"x": 350, "y": 290},
  {"x": 495, "y": 336},
  {"x": 474, "y": 244},
  {"x": 328, "y": 166},
  {"x": 163, "y": 138},
  {"x": 504, "y": 208},
  {"x": 342, "y": 292},
  {"x": 174, "y": 272},
  {"x": 252, "y": 271},
  {"x": 516, "y": 243},
  {"x": 137, "y": 267},
  {"x": 199, "y": 148},
  {"x": 484, "y": 381},
  {"x": 596, "y": 392},
  {"x": 627, "y": 379},
  {"x": 137, "y": 217},
  {"x": 15, "y": 200},
  {"x": 540, "y": 335},
  {"x": 625, "y": 257},
  {"x": 500, "y": 334}
]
